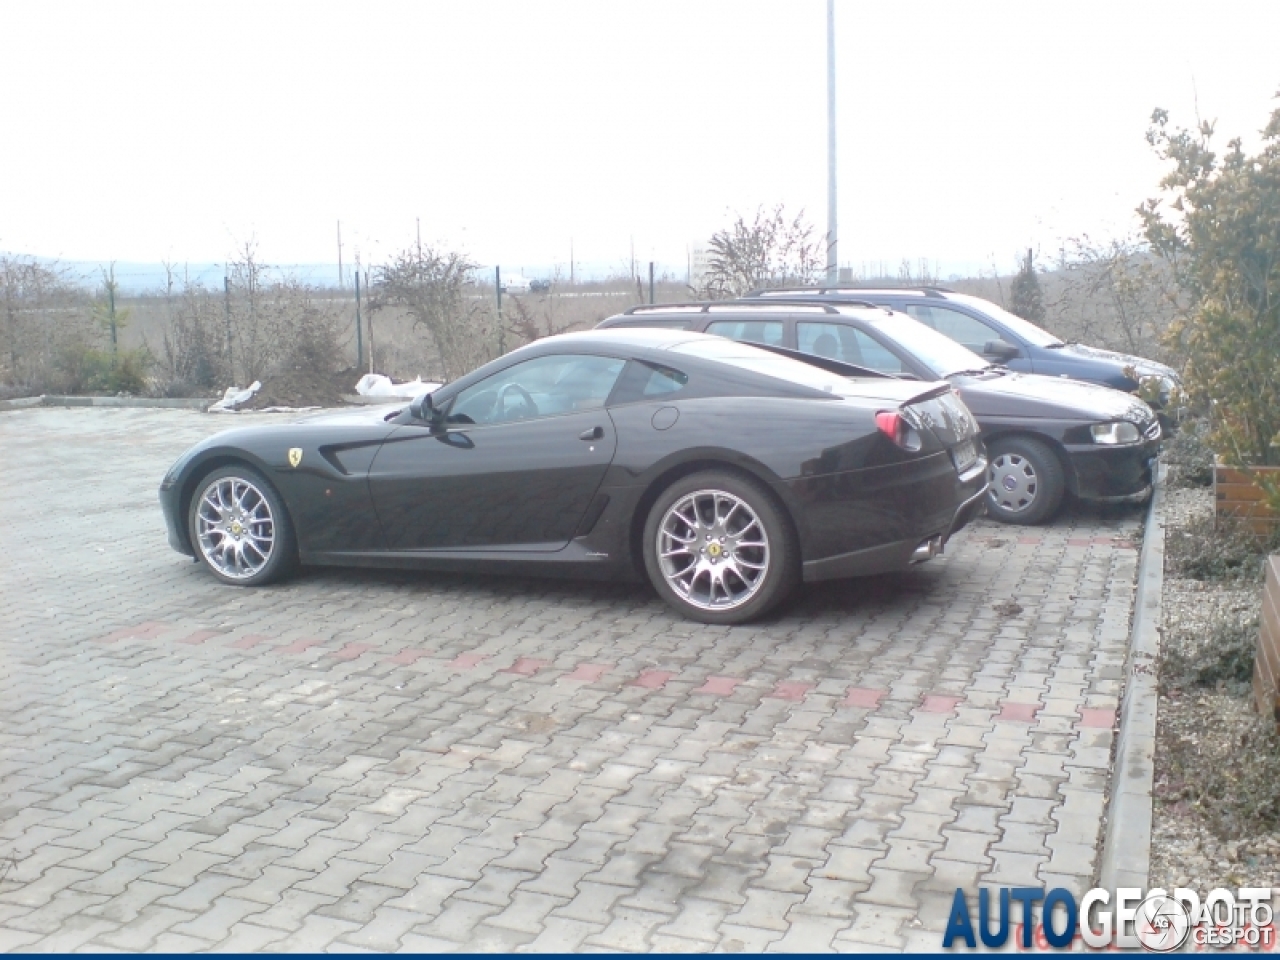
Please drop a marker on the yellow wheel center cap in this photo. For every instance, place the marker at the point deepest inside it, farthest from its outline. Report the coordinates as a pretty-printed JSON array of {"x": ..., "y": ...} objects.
[
  {"x": 714, "y": 549},
  {"x": 235, "y": 528}
]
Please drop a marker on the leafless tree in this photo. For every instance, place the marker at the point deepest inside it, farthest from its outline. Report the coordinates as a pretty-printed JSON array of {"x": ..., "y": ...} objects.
[{"x": 1114, "y": 293}]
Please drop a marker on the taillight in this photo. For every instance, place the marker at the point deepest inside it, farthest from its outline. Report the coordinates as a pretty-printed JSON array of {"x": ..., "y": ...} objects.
[{"x": 895, "y": 426}]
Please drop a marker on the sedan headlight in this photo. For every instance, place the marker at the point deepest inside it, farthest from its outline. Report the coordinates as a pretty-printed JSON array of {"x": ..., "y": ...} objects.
[{"x": 1115, "y": 433}]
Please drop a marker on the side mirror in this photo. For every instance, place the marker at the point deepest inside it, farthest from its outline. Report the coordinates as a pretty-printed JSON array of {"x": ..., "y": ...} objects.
[
  {"x": 421, "y": 407},
  {"x": 1001, "y": 349}
]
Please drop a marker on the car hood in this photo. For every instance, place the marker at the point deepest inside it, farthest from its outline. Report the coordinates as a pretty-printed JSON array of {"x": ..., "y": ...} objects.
[
  {"x": 1143, "y": 366},
  {"x": 1030, "y": 395}
]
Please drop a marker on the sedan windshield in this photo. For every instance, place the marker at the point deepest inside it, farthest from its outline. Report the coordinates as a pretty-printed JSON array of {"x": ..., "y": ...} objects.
[
  {"x": 762, "y": 361},
  {"x": 1024, "y": 328},
  {"x": 942, "y": 355}
]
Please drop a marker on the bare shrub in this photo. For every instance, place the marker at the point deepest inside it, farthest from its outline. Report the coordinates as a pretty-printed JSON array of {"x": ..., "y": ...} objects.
[
  {"x": 43, "y": 314},
  {"x": 770, "y": 251},
  {"x": 436, "y": 288}
]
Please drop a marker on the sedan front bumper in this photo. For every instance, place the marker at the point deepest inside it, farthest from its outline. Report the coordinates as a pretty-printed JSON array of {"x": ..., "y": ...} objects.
[{"x": 1113, "y": 472}]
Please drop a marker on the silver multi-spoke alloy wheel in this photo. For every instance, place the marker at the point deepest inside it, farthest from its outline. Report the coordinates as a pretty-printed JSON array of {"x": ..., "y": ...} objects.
[
  {"x": 713, "y": 550},
  {"x": 1014, "y": 483},
  {"x": 235, "y": 528}
]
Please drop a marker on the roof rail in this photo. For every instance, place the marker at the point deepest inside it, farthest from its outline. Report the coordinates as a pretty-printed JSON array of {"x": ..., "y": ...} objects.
[
  {"x": 798, "y": 300},
  {"x": 687, "y": 307},
  {"x": 840, "y": 288},
  {"x": 706, "y": 307}
]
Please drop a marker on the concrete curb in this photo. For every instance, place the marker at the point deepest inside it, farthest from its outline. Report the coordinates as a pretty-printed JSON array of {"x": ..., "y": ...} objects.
[
  {"x": 1126, "y": 851},
  {"x": 178, "y": 403}
]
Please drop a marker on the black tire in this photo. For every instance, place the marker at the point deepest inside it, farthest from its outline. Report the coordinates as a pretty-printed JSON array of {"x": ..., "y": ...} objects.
[
  {"x": 234, "y": 551},
  {"x": 1027, "y": 481},
  {"x": 745, "y": 592}
]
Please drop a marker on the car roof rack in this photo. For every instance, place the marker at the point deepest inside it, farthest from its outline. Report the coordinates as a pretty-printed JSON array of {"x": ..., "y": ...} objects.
[
  {"x": 795, "y": 300},
  {"x": 739, "y": 304},
  {"x": 929, "y": 290}
]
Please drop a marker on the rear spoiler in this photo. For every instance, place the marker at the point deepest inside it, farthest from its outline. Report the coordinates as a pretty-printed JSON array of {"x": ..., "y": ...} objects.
[
  {"x": 853, "y": 370},
  {"x": 826, "y": 363}
]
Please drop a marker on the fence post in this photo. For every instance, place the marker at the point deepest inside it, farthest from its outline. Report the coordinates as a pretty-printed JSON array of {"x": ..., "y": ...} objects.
[
  {"x": 359, "y": 327},
  {"x": 497, "y": 285},
  {"x": 226, "y": 302}
]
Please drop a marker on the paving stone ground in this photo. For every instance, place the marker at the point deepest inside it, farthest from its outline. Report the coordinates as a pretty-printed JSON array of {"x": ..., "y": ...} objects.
[{"x": 410, "y": 761}]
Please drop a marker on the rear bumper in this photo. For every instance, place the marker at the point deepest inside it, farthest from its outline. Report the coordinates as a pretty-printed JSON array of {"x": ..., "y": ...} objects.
[
  {"x": 861, "y": 525},
  {"x": 973, "y": 484}
]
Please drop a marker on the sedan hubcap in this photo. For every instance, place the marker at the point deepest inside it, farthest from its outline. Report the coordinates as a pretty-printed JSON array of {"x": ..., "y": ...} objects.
[
  {"x": 712, "y": 550},
  {"x": 1013, "y": 482},
  {"x": 235, "y": 528}
]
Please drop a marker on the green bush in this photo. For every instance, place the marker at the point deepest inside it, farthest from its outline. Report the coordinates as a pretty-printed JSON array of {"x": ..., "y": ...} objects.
[
  {"x": 1222, "y": 660},
  {"x": 1189, "y": 456},
  {"x": 1219, "y": 227},
  {"x": 85, "y": 370}
]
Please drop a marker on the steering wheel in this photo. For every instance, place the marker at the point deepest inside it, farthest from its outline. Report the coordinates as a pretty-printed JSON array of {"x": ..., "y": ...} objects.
[{"x": 524, "y": 399}]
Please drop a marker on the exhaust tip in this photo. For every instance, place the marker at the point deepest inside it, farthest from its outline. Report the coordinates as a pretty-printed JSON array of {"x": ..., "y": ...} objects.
[{"x": 927, "y": 550}]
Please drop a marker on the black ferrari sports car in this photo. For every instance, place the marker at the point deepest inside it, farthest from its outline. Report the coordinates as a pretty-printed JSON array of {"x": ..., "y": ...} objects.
[
  {"x": 723, "y": 472},
  {"x": 1045, "y": 436}
]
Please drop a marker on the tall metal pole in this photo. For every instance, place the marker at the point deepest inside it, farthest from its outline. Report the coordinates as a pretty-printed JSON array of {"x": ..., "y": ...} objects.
[
  {"x": 651, "y": 281},
  {"x": 833, "y": 269}
]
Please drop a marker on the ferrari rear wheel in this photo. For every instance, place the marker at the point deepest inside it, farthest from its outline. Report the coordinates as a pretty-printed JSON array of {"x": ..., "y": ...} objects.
[
  {"x": 718, "y": 548},
  {"x": 240, "y": 529}
]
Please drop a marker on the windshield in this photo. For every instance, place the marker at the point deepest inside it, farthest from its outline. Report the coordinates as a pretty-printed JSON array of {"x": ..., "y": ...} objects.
[
  {"x": 1027, "y": 330},
  {"x": 942, "y": 355},
  {"x": 770, "y": 364}
]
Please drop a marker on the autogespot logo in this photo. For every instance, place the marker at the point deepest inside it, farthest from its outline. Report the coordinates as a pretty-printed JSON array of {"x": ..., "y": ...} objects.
[{"x": 1158, "y": 920}]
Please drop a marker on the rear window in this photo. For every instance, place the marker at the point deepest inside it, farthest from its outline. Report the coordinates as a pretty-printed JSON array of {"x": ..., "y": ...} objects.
[{"x": 751, "y": 358}]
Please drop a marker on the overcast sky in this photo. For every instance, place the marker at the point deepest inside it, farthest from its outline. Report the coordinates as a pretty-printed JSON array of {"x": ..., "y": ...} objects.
[{"x": 967, "y": 130}]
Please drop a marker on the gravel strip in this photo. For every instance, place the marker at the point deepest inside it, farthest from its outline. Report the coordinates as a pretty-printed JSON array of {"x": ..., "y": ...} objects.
[{"x": 1217, "y": 780}]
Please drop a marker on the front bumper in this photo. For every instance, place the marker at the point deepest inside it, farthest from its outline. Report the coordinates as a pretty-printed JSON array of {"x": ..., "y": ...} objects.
[
  {"x": 173, "y": 521},
  {"x": 1113, "y": 473}
]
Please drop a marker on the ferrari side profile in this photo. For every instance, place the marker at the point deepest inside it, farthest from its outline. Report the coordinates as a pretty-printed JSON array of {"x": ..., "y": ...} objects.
[{"x": 723, "y": 473}]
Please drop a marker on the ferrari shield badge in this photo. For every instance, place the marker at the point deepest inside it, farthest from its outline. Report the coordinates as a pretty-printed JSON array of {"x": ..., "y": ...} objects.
[{"x": 295, "y": 456}]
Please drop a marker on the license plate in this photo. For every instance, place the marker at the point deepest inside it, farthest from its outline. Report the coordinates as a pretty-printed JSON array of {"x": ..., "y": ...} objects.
[{"x": 964, "y": 454}]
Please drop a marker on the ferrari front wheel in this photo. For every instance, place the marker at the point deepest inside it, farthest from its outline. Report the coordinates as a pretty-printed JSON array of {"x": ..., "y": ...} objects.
[
  {"x": 240, "y": 529},
  {"x": 719, "y": 549}
]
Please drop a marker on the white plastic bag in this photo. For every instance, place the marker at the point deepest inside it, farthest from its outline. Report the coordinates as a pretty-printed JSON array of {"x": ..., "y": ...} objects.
[
  {"x": 376, "y": 385},
  {"x": 234, "y": 396}
]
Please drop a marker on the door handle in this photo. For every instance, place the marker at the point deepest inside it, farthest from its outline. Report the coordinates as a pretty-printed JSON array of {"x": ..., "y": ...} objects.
[{"x": 595, "y": 433}]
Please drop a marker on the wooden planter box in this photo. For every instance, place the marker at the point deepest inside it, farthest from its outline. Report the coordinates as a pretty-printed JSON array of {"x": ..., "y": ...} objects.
[
  {"x": 1266, "y": 663},
  {"x": 1236, "y": 495}
]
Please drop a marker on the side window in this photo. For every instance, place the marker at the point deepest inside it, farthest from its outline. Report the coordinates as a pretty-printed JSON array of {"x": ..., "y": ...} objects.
[
  {"x": 751, "y": 331},
  {"x": 649, "y": 381},
  {"x": 960, "y": 327},
  {"x": 848, "y": 344},
  {"x": 542, "y": 387}
]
